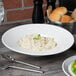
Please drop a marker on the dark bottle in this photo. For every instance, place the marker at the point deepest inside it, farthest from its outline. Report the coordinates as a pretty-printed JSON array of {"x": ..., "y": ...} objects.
[
  {"x": 51, "y": 3},
  {"x": 69, "y": 4},
  {"x": 37, "y": 16}
]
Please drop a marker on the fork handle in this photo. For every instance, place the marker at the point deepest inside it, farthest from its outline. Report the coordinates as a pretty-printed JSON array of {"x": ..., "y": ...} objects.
[
  {"x": 27, "y": 64},
  {"x": 26, "y": 69}
]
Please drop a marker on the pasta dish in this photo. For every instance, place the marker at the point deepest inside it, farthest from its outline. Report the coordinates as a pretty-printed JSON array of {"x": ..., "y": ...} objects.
[{"x": 37, "y": 42}]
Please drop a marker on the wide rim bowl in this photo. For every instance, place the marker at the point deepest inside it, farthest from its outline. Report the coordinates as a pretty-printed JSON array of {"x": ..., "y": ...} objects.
[{"x": 63, "y": 37}]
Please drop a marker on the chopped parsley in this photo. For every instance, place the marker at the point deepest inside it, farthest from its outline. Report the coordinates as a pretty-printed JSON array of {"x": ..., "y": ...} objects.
[{"x": 37, "y": 37}]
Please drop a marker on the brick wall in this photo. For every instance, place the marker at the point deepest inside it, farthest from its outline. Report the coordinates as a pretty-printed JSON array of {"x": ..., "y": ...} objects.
[{"x": 19, "y": 10}]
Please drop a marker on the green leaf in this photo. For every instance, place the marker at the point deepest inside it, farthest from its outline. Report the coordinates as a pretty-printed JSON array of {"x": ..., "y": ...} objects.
[{"x": 37, "y": 37}]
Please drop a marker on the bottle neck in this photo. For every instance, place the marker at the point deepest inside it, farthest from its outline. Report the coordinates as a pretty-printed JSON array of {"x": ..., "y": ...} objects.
[
  {"x": 51, "y": 3},
  {"x": 38, "y": 2}
]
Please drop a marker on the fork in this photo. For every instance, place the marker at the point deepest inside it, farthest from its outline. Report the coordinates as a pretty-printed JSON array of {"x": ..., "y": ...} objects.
[
  {"x": 4, "y": 67},
  {"x": 11, "y": 59}
]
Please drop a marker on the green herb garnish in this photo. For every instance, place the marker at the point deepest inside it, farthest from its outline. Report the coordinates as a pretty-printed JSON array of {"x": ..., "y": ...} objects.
[
  {"x": 37, "y": 37},
  {"x": 73, "y": 66}
]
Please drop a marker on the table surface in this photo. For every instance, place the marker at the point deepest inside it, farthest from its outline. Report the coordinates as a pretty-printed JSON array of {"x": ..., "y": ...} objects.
[{"x": 51, "y": 64}]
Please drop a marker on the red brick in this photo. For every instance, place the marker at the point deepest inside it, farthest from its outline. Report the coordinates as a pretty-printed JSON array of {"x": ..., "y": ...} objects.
[
  {"x": 9, "y": 4},
  {"x": 44, "y": 2},
  {"x": 19, "y": 14},
  {"x": 30, "y": 2}
]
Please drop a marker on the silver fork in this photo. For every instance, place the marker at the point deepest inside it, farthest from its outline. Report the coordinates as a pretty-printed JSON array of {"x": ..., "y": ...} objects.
[
  {"x": 4, "y": 67},
  {"x": 10, "y": 58}
]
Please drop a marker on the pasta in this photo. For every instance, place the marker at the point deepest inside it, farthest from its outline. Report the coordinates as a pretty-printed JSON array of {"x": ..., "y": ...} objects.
[{"x": 37, "y": 42}]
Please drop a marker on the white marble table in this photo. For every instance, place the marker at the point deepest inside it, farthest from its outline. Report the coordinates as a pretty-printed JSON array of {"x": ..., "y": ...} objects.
[{"x": 50, "y": 64}]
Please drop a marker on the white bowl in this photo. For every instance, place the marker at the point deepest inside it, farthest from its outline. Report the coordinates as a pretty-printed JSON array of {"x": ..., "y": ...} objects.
[{"x": 63, "y": 38}]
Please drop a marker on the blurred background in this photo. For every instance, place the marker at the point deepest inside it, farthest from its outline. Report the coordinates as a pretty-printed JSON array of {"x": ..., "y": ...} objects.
[{"x": 21, "y": 10}]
